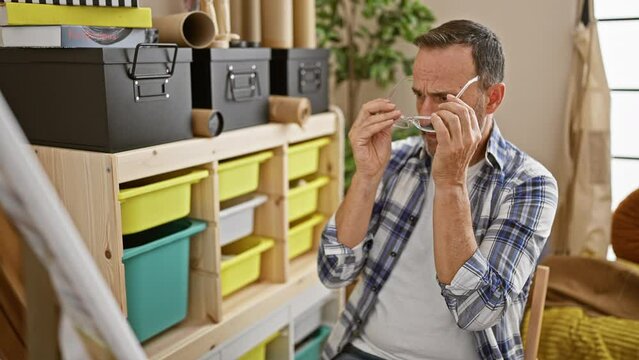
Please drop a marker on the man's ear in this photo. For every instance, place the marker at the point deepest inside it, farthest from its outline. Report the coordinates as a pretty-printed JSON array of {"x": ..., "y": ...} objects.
[{"x": 495, "y": 95}]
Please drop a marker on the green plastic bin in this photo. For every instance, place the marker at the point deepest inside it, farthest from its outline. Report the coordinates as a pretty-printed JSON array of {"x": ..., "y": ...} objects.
[
  {"x": 156, "y": 267},
  {"x": 312, "y": 348}
]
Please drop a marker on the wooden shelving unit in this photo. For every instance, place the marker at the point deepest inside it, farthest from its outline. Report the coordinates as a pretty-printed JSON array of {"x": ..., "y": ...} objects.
[{"x": 88, "y": 184}]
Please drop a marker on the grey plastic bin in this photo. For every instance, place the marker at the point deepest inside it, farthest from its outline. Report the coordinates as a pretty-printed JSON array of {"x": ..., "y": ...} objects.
[
  {"x": 307, "y": 322},
  {"x": 236, "y": 219}
]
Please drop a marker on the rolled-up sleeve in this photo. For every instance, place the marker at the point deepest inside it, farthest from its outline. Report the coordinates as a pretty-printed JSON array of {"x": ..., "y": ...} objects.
[
  {"x": 497, "y": 272},
  {"x": 338, "y": 265}
]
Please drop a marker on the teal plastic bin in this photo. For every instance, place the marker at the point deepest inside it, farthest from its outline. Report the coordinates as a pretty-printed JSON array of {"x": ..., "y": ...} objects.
[
  {"x": 311, "y": 349},
  {"x": 156, "y": 266}
]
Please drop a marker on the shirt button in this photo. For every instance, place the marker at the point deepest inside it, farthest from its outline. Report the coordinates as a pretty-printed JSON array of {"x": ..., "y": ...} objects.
[
  {"x": 412, "y": 219},
  {"x": 393, "y": 254},
  {"x": 368, "y": 245},
  {"x": 374, "y": 288}
]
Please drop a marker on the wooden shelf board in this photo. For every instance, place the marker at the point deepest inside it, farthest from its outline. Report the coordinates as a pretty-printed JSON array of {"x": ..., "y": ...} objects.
[
  {"x": 247, "y": 298},
  {"x": 154, "y": 160},
  {"x": 304, "y": 265},
  {"x": 318, "y": 125},
  {"x": 181, "y": 336}
]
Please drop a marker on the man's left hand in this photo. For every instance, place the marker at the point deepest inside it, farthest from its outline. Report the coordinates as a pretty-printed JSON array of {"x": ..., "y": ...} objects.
[{"x": 458, "y": 136}]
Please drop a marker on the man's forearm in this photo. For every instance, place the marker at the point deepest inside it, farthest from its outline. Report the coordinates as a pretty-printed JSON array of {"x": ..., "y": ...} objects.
[
  {"x": 354, "y": 214},
  {"x": 454, "y": 240}
]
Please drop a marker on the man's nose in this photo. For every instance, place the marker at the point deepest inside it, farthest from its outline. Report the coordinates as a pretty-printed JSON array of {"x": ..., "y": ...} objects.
[{"x": 428, "y": 106}]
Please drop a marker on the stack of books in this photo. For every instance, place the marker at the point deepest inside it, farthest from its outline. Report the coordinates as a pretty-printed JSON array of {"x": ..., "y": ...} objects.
[{"x": 73, "y": 23}]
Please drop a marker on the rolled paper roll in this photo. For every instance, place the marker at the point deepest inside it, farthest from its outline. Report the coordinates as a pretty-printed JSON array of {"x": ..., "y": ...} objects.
[
  {"x": 277, "y": 24},
  {"x": 304, "y": 24},
  {"x": 251, "y": 29},
  {"x": 193, "y": 29},
  {"x": 288, "y": 109},
  {"x": 207, "y": 122}
]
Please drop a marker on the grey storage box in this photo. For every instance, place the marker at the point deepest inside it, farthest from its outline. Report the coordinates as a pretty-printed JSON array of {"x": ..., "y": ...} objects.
[
  {"x": 233, "y": 81},
  {"x": 307, "y": 322},
  {"x": 102, "y": 99},
  {"x": 301, "y": 73},
  {"x": 237, "y": 217}
]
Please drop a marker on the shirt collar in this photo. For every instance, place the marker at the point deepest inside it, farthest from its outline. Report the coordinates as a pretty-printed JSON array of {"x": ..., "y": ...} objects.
[{"x": 496, "y": 148}]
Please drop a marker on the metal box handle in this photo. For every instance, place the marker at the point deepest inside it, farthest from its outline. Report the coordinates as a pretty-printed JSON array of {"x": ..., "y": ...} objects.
[
  {"x": 169, "y": 71},
  {"x": 251, "y": 91},
  {"x": 310, "y": 77}
]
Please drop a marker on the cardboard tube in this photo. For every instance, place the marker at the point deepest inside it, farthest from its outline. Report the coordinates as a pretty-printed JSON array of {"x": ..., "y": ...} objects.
[
  {"x": 207, "y": 122},
  {"x": 193, "y": 29},
  {"x": 207, "y": 7},
  {"x": 223, "y": 11},
  {"x": 251, "y": 21},
  {"x": 277, "y": 24},
  {"x": 236, "y": 16},
  {"x": 304, "y": 24},
  {"x": 288, "y": 109}
]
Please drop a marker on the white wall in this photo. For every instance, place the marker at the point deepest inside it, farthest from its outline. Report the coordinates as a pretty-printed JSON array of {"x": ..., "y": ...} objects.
[{"x": 537, "y": 40}]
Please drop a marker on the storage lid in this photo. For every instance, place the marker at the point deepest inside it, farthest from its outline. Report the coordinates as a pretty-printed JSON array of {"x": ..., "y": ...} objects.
[
  {"x": 232, "y": 54},
  {"x": 92, "y": 55},
  {"x": 283, "y": 54}
]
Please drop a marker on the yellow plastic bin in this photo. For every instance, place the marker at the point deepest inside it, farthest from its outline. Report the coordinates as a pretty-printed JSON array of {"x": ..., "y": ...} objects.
[
  {"x": 242, "y": 264},
  {"x": 241, "y": 176},
  {"x": 302, "y": 200},
  {"x": 259, "y": 352},
  {"x": 303, "y": 158},
  {"x": 300, "y": 236},
  {"x": 144, "y": 205}
]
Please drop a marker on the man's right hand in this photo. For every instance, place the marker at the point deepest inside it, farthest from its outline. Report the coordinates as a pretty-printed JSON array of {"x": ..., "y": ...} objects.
[{"x": 370, "y": 137}]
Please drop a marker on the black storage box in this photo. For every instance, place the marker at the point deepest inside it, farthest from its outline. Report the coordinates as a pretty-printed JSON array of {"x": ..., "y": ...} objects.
[
  {"x": 99, "y": 99},
  {"x": 301, "y": 73},
  {"x": 233, "y": 81}
]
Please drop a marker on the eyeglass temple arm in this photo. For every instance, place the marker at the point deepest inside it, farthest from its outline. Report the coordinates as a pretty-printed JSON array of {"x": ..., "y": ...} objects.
[
  {"x": 392, "y": 92},
  {"x": 470, "y": 82}
]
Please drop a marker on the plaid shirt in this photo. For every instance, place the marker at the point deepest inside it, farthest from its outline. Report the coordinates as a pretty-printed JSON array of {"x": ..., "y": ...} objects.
[{"x": 513, "y": 202}]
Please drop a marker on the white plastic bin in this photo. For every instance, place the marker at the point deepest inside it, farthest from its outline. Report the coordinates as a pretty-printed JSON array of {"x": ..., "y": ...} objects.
[
  {"x": 307, "y": 322},
  {"x": 237, "y": 217}
]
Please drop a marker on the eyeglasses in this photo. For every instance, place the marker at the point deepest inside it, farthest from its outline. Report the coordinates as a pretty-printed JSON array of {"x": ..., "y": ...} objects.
[{"x": 405, "y": 122}]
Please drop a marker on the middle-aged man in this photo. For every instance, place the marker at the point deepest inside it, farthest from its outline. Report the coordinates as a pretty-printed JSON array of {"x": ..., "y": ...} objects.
[{"x": 445, "y": 229}]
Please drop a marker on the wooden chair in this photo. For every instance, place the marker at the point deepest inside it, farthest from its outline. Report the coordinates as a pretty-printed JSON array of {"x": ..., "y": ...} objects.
[{"x": 537, "y": 301}]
